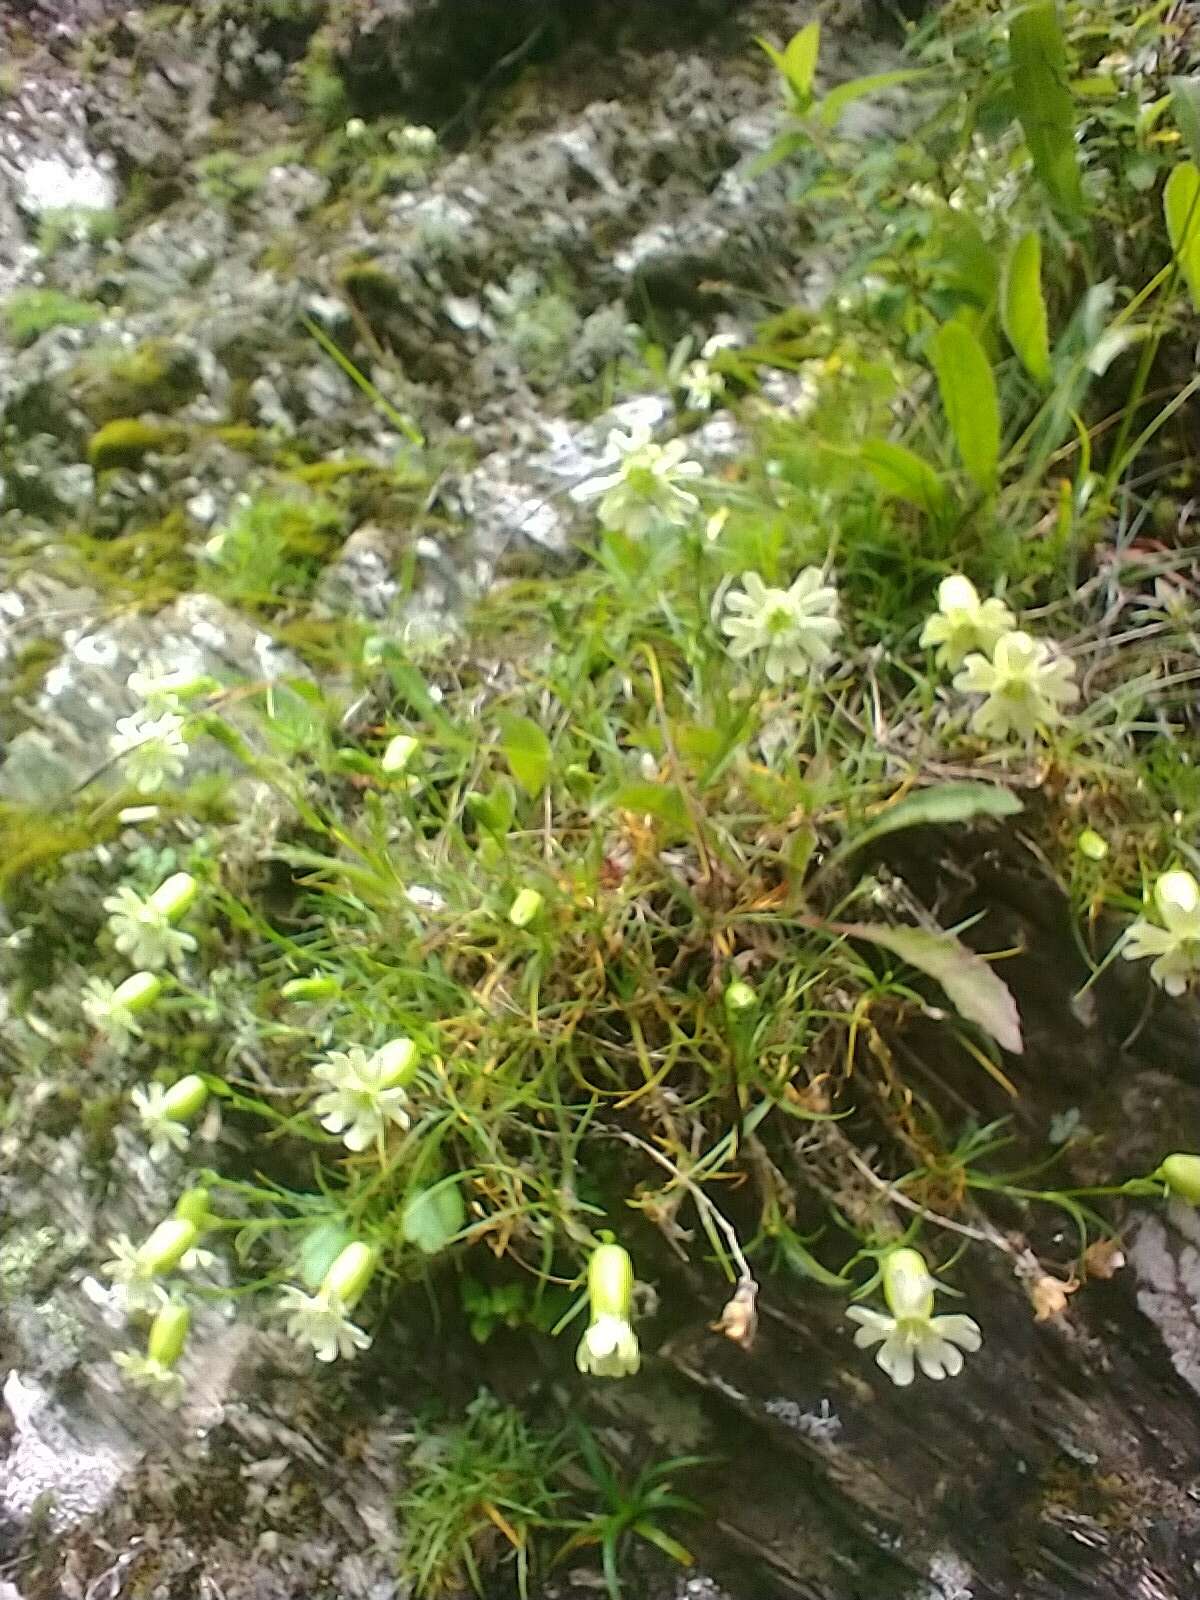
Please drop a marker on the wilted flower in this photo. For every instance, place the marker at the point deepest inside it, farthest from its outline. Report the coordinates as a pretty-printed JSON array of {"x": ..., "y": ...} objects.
[
  {"x": 912, "y": 1333},
  {"x": 609, "y": 1347},
  {"x": 164, "y": 1112},
  {"x": 366, "y": 1092},
  {"x": 1026, "y": 687},
  {"x": 322, "y": 1320},
  {"x": 114, "y": 1011},
  {"x": 155, "y": 1370},
  {"x": 794, "y": 626},
  {"x": 152, "y": 750},
  {"x": 142, "y": 930},
  {"x": 702, "y": 385},
  {"x": 644, "y": 490},
  {"x": 1176, "y": 944},
  {"x": 963, "y": 622}
]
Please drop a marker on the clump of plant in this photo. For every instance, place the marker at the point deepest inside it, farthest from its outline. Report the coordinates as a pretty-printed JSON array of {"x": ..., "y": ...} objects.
[
  {"x": 32, "y": 312},
  {"x": 273, "y": 548}
]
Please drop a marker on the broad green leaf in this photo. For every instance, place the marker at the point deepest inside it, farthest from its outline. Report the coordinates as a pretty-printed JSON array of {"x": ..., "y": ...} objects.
[
  {"x": 661, "y": 800},
  {"x": 1023, "y": 307},
  {"x": 836, "y": 101},
  {"x": 527, "y": 751},
  {"x": 1181, "y": 202},
  {"x": 1185, "y": 108},
  {"x": 496, "y": 809},
  {"x": 969, "y": 399},
  {"x": 965, "y": 261},
  {"x": 798, "y": 61},
  {"x": 970, "y": 984},
  {"x": 1038, "y": 57},
  {"x": 948, "y": 803},
  {"x": 433, "y": 1217},
  {"x": 903, "y": 475}
]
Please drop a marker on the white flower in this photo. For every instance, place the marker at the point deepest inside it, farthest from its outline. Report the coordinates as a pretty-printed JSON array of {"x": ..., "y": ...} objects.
[
  {"x": 1026, "y": 687},
  {"x": 143, "y": 932},
  {"x": 702, "y": 385},
  {"x": 794, "y": 626},
  {"x": 719, "y": 341},
  {"x": 963, "y": 622},
  {"x": 912, "y": 1336},
  {"x": 1176, "y": 944},
  {"x": 147, "y": 1372},
  {"x": 609, "y": 1349},
  {"x": 644, "y": 492},
  {"x": 139, "y": 1290},
  {"x": 113, "y": 1011},
  {"x": 365, "y": 1093},
  {"x": 152, "y": 750},
  {"x": 322, "y": 1321},
  {"x": 417, "y": 137},
  {"x": 159, "y": 687},
  {"x": 163, "y": 1113}
]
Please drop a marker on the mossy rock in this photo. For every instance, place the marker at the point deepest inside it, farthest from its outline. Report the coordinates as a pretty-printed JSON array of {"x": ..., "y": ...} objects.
[
  {"x": 155, "y": 375},
  {"x": 127, "y": 441},
  {"x": 372, "y": 285}
]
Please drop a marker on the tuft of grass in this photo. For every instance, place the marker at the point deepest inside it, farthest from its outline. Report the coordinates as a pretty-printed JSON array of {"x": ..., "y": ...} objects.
[
  {"x": 32, "y": 312},
  {"x": 273, "y": 548}
]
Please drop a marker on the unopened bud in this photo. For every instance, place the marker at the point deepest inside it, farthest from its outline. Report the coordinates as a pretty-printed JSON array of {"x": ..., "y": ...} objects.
[
  {"x": 397, "y": 1062},
  {"x": 610, "y": 1282},
  {"x": 315, "y": 988},
  {"x": 1181, "y": 1174},
  {"x": 1177, "y": 896},
  {"x": 168, "y": 1334},
  {"x": 137, "y": 993},
  {"x": 740, "y": 997},
  {"x": 173, "y": 897},
  {"x": 185, "y": 1099},
  {"x": 167, "y": 1246},
  {"x": 350, "y": 1273},
  {"x": 399, "y": 753},
  {"x": 525, "y": 908},
  {"x": 907, "y": 1285},
  {"x": 1092, "y": 845}
]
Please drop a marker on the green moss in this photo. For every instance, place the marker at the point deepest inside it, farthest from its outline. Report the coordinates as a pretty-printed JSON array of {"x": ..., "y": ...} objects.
[
  {"x": 126, "y": 442},
  {"x": 73, "y": 225},
  {"x": 31, "y": 312},
  {"x": 274, "y": 547},
  {"x": 155, "y": 375},
  {"x": 229, "y": 178}
]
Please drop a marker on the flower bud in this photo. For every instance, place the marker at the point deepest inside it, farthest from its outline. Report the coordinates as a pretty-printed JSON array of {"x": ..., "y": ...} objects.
[
  {"x": 192, "y": 1206},
  {"x": 166, "y": 1246},
  {"x": 1181, "y": 1174},
  {"x": 185, "y": 1099},
  {"x": 399, "y": 753},
  {"x": 1092, "y": 845},
  {"x": 168, "y": 1333},
  {"x": 907, "y": 1285},
  {"x": 525, "y": 908},
  {"x": 137, "y": 993},
  {"x": 1177, "y": 895},
  {"x": 739, "y": 997},
  {"x": 610, "y": 1282},
  {"x": 174, "y": 897},
  {"x": 313, "y": 988},
  {"x": 397, "y": 1062},
  {"x": 350, "y": 1274}
]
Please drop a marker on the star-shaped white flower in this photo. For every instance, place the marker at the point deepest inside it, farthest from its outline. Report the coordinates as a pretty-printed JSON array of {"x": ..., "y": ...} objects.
[
  {"x": 143, "y": 932},
  {"x": 138, "y": 1287},
  {"x": 1176, "y": 944},
  {"x": 152, "y": 750},
  {"x": 912, "y": 1336},
  {"x": 963, "y": 622},
  {"x": 146, "y": 1372},
  {"x": 1025, "y": 684},
  {"x": 164, "y": 1131},
  {"x": 702, "y": 385},
  {"x": 609, "y": 1349},
  {"x": 365, "y": 1093},
  {"x": 644, "y": 491},
  {"x": 111, "y": 1010},
  {"x": 322, "y": 1321},
  {"x": 793, "y": 627}
]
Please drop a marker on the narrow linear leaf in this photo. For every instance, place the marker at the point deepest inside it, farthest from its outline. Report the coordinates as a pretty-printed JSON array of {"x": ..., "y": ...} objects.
[
  {"x": 801, "y": 1261},
  {"x": 1181, "y": 203},
  {"x": 950, "y": 803},
  {"x": 969, "y": 399},
  {"x": 1023, "y": 307},
  {"x": 527, "y": 751},
  {"x": 1185, "y": 108},
  {"x": 836, "y": 101},
  {"x": 903, "y": 475},
  {"x": 970, "y": 984},
  {"x": 1038, "y": 56}
]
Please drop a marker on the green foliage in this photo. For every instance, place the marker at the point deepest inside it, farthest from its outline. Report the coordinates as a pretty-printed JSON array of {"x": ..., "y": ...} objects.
[
  {"x": 1023, "y": 307},
  {"x": 68, "y": 225},
  {"x": 970, "y": 401},
  {"x": 1043, "y": 101},
  {"x": 126, "y": 441},
  {"x": 273, "y": 548},
  {"x": 31, "y": 312},
  {"x": 1181, "y": 203}
]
